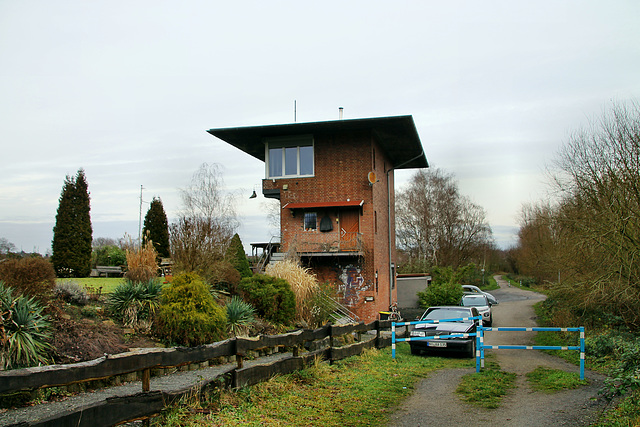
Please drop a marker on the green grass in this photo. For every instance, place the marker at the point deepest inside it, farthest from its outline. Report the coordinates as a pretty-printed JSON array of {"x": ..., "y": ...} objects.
[
  {"x": 552, "y": 380},
  {"x": 108, "y": 284},
  {"x": 359, "y": 391},
  {"x": 487, "y": 387},
  {"x": 490, "y": 284},
  {"x": 626, "y": 414}
]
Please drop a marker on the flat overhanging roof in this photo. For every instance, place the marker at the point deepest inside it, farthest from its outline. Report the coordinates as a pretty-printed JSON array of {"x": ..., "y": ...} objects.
[{"x": 396, "y": 135}]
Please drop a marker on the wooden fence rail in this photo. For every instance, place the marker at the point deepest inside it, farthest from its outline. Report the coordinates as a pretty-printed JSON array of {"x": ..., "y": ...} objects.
[{"x": 117, "y": 410}]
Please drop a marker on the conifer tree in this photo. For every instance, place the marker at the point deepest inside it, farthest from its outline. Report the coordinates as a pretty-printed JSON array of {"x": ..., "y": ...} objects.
[
  {"x": 156, "y": 228},
  {"x": 72, "y": 234},
  {"x": 238, "y": 258}
]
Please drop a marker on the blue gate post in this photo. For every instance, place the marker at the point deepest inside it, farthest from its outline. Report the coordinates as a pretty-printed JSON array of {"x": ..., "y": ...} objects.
[
  {"x": 478, "y": 348},
  {"x": 582, "y": 352},
  {"x": 393, "y": 340},
  {"x": 481, "y": 328}
]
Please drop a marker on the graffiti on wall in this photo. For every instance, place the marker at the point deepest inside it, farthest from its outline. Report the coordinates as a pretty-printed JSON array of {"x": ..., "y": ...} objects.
[{"x": 352, "y": 284}]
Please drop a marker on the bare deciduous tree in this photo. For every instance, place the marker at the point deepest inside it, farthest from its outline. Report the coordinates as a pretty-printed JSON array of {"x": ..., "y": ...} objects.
[
  {"x": 206, "y": 223},
  {"x": 540, "y": 251},
  {"x": 6, "y": 247},
  {"x": 436, "y": 225},
  {"x": 597, "y": 174}
]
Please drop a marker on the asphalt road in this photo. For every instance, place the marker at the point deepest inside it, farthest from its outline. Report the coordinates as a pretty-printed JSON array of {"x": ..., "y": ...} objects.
[{"x": 435, "y": 403}]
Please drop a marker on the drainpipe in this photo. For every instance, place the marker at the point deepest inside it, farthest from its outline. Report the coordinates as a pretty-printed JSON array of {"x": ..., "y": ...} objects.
[
  {"x": 389, "y": 221},
  {"x": 389, "y": 229}
]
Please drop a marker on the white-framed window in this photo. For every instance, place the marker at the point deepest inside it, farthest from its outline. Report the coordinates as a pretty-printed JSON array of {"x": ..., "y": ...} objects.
[
  {"x": 310, "y": 220},
  {"x": 289, "y": 157}
]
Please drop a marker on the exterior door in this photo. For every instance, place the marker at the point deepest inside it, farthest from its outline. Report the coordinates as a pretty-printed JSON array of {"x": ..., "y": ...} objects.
[{"x": 349, "y": 230}]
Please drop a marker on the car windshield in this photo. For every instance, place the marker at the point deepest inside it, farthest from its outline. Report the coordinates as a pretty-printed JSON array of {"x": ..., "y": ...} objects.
[
  {"x": 446, "y": 314},
  {"x": 474, "y": 301}
]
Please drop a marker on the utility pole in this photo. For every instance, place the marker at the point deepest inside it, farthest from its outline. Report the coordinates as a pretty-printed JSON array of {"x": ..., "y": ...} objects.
[{"x": 140, "y": 220}]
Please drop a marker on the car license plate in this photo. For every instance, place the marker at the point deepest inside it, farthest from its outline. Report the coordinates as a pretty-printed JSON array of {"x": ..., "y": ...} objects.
[{"x": 436, "y": 344}]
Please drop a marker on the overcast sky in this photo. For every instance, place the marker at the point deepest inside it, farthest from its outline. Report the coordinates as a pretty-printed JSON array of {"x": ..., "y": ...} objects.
[{"x": 127, "y": 89}]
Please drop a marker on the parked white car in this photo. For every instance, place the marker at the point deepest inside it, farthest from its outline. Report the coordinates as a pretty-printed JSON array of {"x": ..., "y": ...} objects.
[
  {"x": 477, "y": 290},
  {"x": 481, "y": 303}
]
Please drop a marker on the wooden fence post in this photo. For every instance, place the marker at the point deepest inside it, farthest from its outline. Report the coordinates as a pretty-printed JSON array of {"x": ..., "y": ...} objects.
[
  {"x": 330, "y": 344},
  {"x": 146, "y": 380},
  {"x": 239, "y": 360}
]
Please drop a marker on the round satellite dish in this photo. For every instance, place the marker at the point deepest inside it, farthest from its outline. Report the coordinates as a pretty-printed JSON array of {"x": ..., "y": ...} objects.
[{"x": 372, "y": 178}]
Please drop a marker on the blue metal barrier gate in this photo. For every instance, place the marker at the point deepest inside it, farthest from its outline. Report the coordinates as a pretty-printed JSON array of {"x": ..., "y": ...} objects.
[
  {"x": 479, "y": 334},
  {"x": 480, "y": 345},
  {"x": 436, "y": 337}
]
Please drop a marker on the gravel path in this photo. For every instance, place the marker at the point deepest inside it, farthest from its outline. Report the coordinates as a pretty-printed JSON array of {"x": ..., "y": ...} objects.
[{"x": 435, "y": 403}]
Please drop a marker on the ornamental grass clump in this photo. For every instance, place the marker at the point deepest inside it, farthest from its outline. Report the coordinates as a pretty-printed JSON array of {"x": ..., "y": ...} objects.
[
  {"x": 141, "y": 263},
  {"x": 303, "y": 284},
  {"x": 188, "y": 313}
]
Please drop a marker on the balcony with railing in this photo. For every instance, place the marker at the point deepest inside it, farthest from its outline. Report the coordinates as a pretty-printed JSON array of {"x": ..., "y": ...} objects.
[{"x": 328, "y": 244}]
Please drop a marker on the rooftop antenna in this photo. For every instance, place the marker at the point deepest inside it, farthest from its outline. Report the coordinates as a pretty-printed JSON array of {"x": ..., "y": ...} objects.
[{"x": 295, "y": 111}]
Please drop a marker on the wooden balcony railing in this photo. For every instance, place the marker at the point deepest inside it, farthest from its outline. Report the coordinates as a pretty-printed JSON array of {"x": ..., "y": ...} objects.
[{"x": 316, "y": 242}]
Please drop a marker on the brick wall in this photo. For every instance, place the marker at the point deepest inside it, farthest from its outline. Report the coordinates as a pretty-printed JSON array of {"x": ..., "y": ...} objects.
[{"x": 342, "y": 163}]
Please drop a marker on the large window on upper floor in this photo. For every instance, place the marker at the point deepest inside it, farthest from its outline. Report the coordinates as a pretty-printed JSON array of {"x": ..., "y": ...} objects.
[{"x": 289, "y": 157}]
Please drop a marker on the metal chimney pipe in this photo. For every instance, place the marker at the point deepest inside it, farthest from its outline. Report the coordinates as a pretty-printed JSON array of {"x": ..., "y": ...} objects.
[{"x": 340, "y": 112}]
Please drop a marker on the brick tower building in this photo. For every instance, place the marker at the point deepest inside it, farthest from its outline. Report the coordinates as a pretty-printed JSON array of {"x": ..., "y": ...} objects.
[{"x": 335, "y": 183}]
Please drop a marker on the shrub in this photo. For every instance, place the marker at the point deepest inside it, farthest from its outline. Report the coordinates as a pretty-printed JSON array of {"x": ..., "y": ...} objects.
[
  {"x": 24, "y": 331},
  {"x": 71, "y": 292},
  {"x": 188, "y": 313},
  {"x": 303, "y": 284},
  {"x": 237, "y": 257},
  {"x": 272, "y": 297},
  {"x": 525, "y": 281},
  {"x": 223, "y": 276},
  {"x": 621, "y": 352},
  {"x": 240, "y": 316},
  {"x": 445, "y": 287},
  {"x": 135, "y": 303},
  {"x": 440, "y": 294},
  {"x": 110, "y": 255},
  {"x": 141, "y": 263},
  {"x": 32, "y": 276}
]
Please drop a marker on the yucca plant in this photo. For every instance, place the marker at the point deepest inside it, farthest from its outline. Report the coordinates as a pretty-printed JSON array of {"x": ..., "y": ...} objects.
[
  {"x": 136, "y": 302},
  {"x": 240, "y": 316},
  {"x": 25, "y": 333}
]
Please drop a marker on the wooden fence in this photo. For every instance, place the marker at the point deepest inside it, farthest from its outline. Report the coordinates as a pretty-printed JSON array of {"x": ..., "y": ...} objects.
[{"x": 120, "y": 409}]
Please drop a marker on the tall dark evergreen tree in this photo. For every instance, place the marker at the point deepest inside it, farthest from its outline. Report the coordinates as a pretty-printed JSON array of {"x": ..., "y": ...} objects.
[
  {"x": 238, "y": 258},
  {"x": 72, "y": 234},
  {"x": 156, "y": 228}
]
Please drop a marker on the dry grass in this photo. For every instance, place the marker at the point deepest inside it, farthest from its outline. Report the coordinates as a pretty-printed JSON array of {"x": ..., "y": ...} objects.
[
  {"x": 141, "y": 263},
  {"x": 303, "y": 283}
]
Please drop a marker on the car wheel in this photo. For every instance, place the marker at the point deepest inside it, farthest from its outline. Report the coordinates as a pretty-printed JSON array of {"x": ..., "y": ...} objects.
[
  {"x": 472, "y": 351},
  {"x": 415, "y": 350}
]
